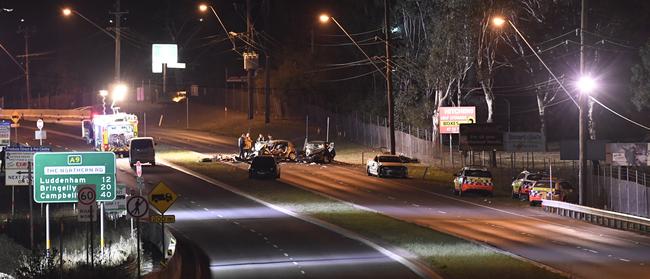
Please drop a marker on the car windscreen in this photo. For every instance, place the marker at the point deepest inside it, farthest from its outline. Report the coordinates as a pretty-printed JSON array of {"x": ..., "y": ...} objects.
[
  {"x": 478, "y": 173},
  {"x": 263, "y": 162},
  {"x": 389, "y": 159},
  {"x": 142, "y": 144},
  {"x": 537, "y": 176}
]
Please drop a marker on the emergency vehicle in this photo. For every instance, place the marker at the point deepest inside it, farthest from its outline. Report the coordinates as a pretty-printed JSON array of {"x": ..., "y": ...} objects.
[
  {"x": 110, "y": 132},
  {"x": 477, "y": 179},
  {"x": 541, "y": 190}
]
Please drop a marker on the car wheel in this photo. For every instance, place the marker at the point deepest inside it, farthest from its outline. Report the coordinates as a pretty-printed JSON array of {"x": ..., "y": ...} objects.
[
  {"x": 326, "y": 159},
  {"x": 532, "y": 203},
  {"x": 368, "y": 171},
  {"x": 153, "y": 164},
  {"x": 379, "y": 173},
  {"x": 515, "y": 195},
  {"x": 460, "y": 192}
]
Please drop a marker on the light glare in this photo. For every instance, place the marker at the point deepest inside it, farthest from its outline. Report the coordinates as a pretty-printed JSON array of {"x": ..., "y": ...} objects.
[
  {"x": 498, "y": 21},
  {"x": 119, "y": 91},
  {"x": 66, "y": 12},
  {"x": 586, "y": 84},
  {"x": 324, "y": 18},
  {"x": 203, "y": 7}
]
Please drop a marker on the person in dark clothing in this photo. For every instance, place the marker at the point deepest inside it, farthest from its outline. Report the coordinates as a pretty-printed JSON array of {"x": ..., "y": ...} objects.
[{"x": 240, "y": 144}]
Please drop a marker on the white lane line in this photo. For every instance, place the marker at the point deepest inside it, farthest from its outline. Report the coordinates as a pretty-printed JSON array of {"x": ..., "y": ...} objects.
[
  {"x": 235, "y": 222},
  {"x": 286, "y": 255},
  {"x": 391, "y": 198},
  {"x": 219, "y": 215},
  {"x": 275, "y": 246},
  {"x": 206, "y": 209},
  {"x": 192, "y": 202},
  {"x": 440, "y": 211},
  {"x": 624, "y": 260},
  {"x": 302, "y": 271},
  {"x": 252, "y": 230},
  {"x": 415, "y": 204},
  {"x": 295, "y": 263}
]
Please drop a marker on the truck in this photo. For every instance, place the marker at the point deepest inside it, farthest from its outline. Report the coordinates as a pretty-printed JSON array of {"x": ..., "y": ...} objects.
[{"x": 110, "y": 132}]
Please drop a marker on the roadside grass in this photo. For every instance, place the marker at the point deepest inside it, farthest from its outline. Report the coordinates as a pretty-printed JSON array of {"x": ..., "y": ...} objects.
[{"x": 450, "y": 256}]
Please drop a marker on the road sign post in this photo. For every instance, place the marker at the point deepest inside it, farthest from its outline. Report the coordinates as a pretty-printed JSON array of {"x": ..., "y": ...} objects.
[
  {"x": 87, "y": 196},
  {"x": 15, "y": 118},
  {"x": 40, "y": 134},
  {"x": 137, "y": 207},
  {"x": 162, "y": 197}
]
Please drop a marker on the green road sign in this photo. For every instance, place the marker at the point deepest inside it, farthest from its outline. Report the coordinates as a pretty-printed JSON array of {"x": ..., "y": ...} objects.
[{"x": 58, "y": 174}]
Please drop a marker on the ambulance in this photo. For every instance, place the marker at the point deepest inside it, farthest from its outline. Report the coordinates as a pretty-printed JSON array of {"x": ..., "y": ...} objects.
[{"x": 110, "y": 132}]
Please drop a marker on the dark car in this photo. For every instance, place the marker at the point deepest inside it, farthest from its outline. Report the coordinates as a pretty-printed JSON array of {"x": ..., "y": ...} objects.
[
  {"x": 264, "y": 166},
  {"x": 319, "y": 152}
]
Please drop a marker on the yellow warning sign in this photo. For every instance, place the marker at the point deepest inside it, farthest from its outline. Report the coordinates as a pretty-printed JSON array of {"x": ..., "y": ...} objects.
[
  {"x": 15, "y": 117},
  {"x": 162, "y": 197}
]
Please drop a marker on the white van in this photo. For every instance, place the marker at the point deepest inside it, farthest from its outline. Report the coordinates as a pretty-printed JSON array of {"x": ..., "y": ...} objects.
[{"x": 142, "y": 149}]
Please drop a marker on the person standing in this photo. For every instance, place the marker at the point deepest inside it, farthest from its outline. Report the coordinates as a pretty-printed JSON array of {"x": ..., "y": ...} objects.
[
  {"x": 240, "y": 144},
  {"x": 248, "y": 144}
]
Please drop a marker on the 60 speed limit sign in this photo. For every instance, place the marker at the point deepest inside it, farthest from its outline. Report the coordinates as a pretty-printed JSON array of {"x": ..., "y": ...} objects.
[{"x": 86, "y": 194}]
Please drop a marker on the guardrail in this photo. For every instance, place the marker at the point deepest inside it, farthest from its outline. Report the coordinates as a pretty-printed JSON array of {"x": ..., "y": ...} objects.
[
  {"x": 598, "y": 216},
  {"x": 47, "y": 114}
]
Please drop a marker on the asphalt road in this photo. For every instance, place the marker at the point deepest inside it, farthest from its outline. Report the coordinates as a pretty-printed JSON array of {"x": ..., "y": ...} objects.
[
  {"x": 577, "y": 248},
  {"x": 241, "y": 238}
]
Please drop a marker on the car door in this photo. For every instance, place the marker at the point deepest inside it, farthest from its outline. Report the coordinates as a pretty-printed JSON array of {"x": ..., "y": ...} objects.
[
  {"x": 458, "y": 181},
  {"x": 374, "y": 166}
]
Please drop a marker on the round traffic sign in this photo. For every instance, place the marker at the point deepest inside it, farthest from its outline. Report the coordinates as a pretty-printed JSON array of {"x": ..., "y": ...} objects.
[
  {"x": 39, "y": 124},
  {"x": 137, "y": 206},
  {"x": 86, "y": 195}
]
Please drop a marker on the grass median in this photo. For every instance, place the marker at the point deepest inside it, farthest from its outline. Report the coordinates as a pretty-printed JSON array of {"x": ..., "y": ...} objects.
[{"x": 449, "y": 256}]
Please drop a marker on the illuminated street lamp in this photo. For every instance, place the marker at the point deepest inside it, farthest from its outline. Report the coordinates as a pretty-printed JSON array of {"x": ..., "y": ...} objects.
[
  {"x": 118, "y": 94},
  {"x": 325, "y": 18},
  {"x": 103, "y": 93},
  {"x": 585, "y": 85},
  {"x": 67, "y": 12}
]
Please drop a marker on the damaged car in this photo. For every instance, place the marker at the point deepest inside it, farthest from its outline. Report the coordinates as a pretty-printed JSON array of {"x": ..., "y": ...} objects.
[{"x": 318, "y": 152}]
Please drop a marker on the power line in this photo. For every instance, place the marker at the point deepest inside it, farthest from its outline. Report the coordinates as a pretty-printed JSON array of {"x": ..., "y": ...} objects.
[{"x": 618, "y": 114}]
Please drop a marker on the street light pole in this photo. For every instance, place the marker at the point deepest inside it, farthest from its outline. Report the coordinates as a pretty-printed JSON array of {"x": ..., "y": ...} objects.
[
  {"x": 249, "y": 72},
  {"x": 389, "y": 88},
  {"x": 582, "y": 101}
]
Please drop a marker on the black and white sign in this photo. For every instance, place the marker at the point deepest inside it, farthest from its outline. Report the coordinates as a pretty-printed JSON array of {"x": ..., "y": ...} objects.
[
  {"x": 17, "y": 162},
  {"x": 86, "y": 194},
  {"x": 137, "y": 206},
  {"x": 119, "y": 204}
]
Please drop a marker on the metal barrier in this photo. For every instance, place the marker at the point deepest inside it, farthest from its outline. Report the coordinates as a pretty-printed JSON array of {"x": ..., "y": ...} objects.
[
  {"x": 598, "y": 216},
  {"x": 48, "y": 114}
]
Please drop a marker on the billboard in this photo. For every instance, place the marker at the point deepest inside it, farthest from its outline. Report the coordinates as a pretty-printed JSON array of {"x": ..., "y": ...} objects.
[
  {"x": 164, "y": 53},
  {"x": 569, "y": 150},
  {"x": 449, "y": 118},
  {"x": 627, "y": 154},
  {"x": 524, "y": 142},
  {"x": 478, "y": 137}
]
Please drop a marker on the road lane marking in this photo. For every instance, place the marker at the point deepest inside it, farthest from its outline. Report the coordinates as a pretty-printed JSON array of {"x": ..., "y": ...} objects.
[
  {"x": 206, "y": 209},
  {"x": 413, "y": 265},
  {"x": 440, "y": 211},
  {"x": 624, "y": 260},
  {"x": 416, "y": 205}
]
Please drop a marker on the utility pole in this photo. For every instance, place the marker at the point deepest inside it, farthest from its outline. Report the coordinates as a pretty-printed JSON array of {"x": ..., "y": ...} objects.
[
  {"x": 118, "y": 34},
  {"x": 389, "y": 90},
  {"x": 26, "y": 31},
  {"x": 267, "y": 91},
  {"x": 249, "y": 72},
  {"x": 582, "y": 101}
]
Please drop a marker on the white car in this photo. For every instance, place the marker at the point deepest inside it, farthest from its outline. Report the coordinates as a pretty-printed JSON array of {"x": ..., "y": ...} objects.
[{"x": 386, "y": 165}]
